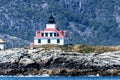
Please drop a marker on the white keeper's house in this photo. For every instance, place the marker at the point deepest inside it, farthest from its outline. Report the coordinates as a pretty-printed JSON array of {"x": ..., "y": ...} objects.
[
  {"x": 2, "y": 44},
  {"x": 50, "y": 35}
]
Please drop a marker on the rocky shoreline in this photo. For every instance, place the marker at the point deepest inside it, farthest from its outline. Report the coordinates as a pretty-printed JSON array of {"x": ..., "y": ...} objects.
[{"x": 56, "y": 62}]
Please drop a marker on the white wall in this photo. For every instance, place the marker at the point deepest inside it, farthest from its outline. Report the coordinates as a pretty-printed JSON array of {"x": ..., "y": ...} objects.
[
  {"x": 35, "y": 41},
  {"x": 2, "y": 46},
  {"x": 45, "y": 41},
  {"x": 50, "y": 25}
]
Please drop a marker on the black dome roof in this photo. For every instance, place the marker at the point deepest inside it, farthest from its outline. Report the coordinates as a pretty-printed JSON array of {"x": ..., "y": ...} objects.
[{"x": 51, "y": 20}]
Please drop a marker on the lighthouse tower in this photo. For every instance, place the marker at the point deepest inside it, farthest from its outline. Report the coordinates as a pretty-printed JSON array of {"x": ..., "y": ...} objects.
[{"x": 50, "y": 35}]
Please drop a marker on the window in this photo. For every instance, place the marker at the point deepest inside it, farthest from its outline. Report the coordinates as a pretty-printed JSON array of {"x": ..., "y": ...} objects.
[
  {"x": 39, "y": 40},
  {"x": 54, "y": 34},
  {"x": 50, "y": 34},
  {"x": 46, "y": 34},
  {"x": 42, "y": 34},
  {"x": 48, "y": 40},
  {"x": 58, "y": 40},
  {"x": 57, "y": 34}
]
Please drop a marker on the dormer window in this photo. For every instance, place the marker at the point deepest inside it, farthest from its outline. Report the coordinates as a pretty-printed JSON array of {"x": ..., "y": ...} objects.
[
  {"x": 42, "y": 34},
  {"x": 50, "y": 34},
  {"x": 55, "y": 34},
  {"x": 46, "y": 34}
]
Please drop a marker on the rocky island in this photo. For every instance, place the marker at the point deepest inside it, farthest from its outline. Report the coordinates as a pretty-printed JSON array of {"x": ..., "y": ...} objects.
[{"x": 67, "y": 60}]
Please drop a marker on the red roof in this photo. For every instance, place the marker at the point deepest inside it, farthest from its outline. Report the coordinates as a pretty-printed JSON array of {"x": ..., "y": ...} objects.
[
  {"x": 38, "y": 33},
  {"x": 50, "y": 29},
  {"x": 60, "y": 33}
]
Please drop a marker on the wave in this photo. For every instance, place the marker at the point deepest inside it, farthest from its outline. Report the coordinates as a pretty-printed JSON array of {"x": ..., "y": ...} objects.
[{"x": 43, "y": 75}]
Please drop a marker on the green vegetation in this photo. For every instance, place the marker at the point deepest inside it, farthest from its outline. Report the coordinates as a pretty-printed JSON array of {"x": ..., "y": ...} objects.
[
  {"x": 81, "y": 48},
  {"x": 93, "y": 21}
]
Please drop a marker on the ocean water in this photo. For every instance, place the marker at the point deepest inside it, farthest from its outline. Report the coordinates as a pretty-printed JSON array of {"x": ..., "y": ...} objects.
[{"x": 60, "y": 78}]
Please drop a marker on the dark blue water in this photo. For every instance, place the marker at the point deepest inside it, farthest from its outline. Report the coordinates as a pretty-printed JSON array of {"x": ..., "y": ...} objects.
[{"x": 59, "y": 78}]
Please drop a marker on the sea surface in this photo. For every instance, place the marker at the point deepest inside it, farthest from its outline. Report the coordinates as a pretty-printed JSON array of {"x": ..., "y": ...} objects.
[{"x": 60, "y": 78}]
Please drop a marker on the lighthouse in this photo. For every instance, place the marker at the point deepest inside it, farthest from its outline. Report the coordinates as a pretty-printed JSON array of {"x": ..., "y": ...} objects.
[{"x": 50, "y": 35}]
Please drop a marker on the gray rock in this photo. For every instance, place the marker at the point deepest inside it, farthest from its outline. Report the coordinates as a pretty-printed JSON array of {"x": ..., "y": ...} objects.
[{"x": 23, "y": 60}]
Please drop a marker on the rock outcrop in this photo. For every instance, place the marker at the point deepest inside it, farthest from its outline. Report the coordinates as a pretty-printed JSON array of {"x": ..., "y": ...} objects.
[{"x": 21, "y": 61}]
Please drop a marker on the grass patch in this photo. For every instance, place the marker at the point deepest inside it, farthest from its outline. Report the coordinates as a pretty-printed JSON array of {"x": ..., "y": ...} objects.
[{"x": 81, "y": 48}]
